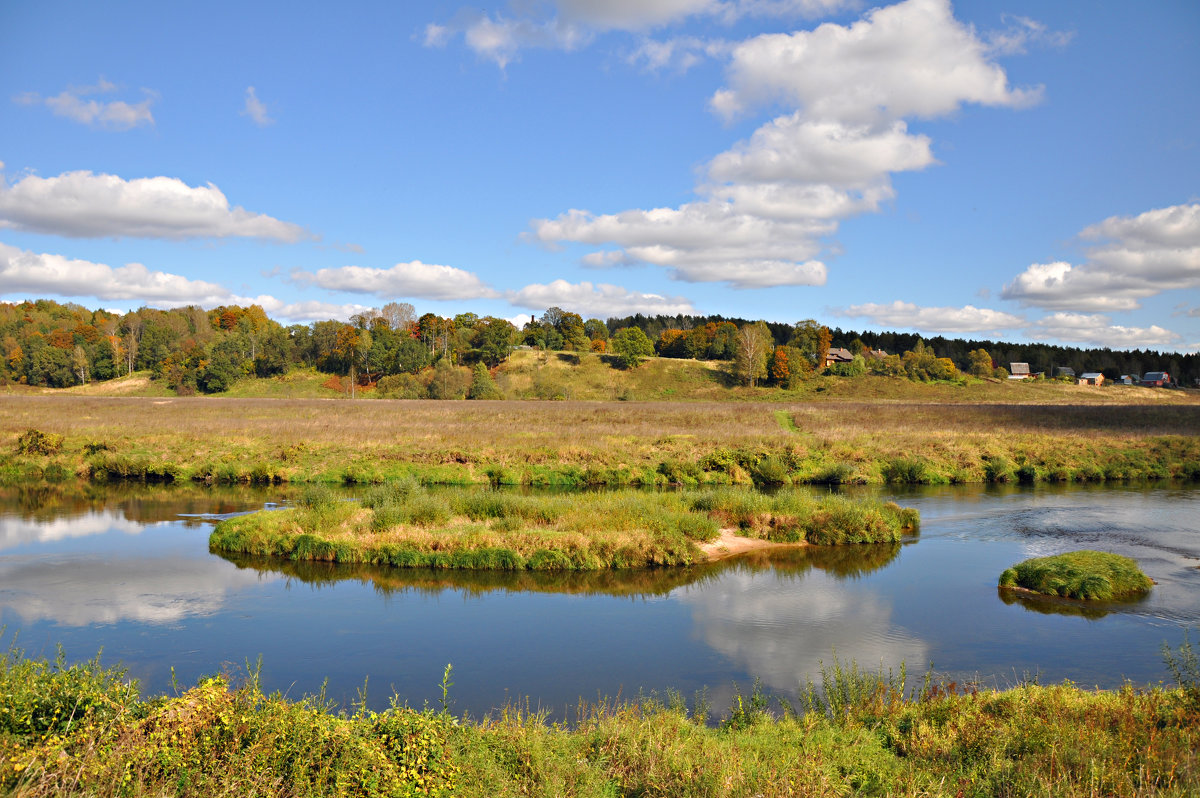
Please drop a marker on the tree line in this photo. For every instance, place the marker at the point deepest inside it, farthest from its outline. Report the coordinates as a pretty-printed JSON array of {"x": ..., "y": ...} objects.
[{"x": 193, "y": 350}]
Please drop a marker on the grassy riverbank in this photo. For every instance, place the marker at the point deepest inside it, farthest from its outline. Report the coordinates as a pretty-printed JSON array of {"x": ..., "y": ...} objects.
[
  {"x": 596, "y": 443},
  {"x": 403, "y": 524},
  {"x": 82, "y": 729}
]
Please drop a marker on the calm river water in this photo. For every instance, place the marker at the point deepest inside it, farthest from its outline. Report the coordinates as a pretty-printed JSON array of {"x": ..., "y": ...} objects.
[{"x": 128, "y": 571}]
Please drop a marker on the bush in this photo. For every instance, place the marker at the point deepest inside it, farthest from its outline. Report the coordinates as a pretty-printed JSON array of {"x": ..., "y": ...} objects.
[
  {"x": 400, "y": 386},
  {"x": 997, "y": 469},
  {"x": 904, "y": 471},
  {"x": 770, "y": 471},
  {"x": 1089, "y": 575},
  {"x": 35, "y": 441}
]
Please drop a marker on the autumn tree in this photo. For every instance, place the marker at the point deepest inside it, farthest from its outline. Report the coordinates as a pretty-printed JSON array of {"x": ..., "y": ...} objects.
[
  {"x": 753, "y": 345},
  {"x": 780, "y": 369},
  {"x": 398, "y": 315},
  {"x": 80, "y": 364},
  {"x": 813, "y": 339},
  {"x": 980, "y": 363}
]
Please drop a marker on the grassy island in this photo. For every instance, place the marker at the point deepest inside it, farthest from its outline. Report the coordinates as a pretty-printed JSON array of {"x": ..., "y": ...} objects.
[
  {"x": 404, "y": 524},
  {"x": 84, "y": 730},
  {"x": 1086, "y": 575}
]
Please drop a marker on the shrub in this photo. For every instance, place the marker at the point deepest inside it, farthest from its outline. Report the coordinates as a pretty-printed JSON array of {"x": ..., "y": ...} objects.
[
  {"x": 905, "y": 471},
  {"x": 34, "y": 441},
  {"x": 400, "y": 386},
  {"x": 770, "y": 471},
  {"x": 836, "y": 474},
  {"x": 997, "y": 468},
  {"x": 1089, "y": 575},
  {"x": 680, "y": 473}
]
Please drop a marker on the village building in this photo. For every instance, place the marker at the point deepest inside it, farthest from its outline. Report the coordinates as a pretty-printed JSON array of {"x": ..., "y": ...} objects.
[
  {"x": 1018, "y": 371},
  {"x": 1091, "y": 378},
  {"x": 838, "y": 355}
]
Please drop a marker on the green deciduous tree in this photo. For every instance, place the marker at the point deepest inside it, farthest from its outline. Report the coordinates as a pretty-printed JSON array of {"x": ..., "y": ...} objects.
[
  {"x": 482, "y": 384},
  {"x": 631, "y": 346}
]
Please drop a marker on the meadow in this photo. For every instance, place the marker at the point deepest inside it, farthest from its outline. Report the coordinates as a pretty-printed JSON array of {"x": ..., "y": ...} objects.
[
  {"x": 581, "y": 443},
  {"x": 83, "y": 730}
]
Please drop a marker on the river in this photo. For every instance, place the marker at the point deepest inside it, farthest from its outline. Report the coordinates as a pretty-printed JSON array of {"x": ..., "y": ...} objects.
[{"x": 127, "y": 570}]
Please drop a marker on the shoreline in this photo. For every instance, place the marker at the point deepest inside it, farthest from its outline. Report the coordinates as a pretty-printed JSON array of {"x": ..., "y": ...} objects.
[{"x": 730, "y": 544}]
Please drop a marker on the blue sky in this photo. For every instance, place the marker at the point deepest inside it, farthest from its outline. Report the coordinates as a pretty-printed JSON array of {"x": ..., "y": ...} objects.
[{"x": 1008, "y": 169}]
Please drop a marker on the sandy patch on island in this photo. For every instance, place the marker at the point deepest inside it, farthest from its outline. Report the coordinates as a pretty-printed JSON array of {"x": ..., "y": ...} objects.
[{"x": 729, "y": 544}]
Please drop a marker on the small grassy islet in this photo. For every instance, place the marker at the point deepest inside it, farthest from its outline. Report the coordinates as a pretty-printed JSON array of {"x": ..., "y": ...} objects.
[
  {"x": 1086, "y": 575},
  {"x": 404, "y": 524}
]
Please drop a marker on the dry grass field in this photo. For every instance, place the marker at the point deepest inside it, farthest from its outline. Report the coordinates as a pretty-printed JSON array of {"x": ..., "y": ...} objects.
[{"x": 613, "y": 442}]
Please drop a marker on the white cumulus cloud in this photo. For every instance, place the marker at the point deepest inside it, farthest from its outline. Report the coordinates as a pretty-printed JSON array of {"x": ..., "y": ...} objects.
[
  {"x": 909, "y": 59},
  {"x": 86, "y": 205},
  {"x": 1098, "y": 330},
  {"x": 303, "y": 312},
  {"x": 934, "y": 319},
  {"x": 598, "y": 300},
  {"x": 1134, "y": 257},
  {"x": 413, "y": 279},
  {"x": 571, "y": 24},
  {"x": 78, "y": 104},
  {"x": 37, "y": 274},
  {"x": 766, "y": 207}
]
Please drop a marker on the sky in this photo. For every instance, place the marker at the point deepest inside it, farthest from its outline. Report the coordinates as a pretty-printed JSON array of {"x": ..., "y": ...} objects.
[{"x": 1005, "y": 169}]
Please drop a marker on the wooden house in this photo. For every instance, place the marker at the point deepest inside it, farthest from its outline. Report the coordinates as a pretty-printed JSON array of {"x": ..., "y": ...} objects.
[{"x": 838, "y": 355}]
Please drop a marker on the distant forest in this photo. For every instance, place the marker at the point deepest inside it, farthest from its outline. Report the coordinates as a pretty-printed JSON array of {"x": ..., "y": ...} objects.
[
  {"x": 47, "y": 343},
  {"x": 1041, "y": 357}
]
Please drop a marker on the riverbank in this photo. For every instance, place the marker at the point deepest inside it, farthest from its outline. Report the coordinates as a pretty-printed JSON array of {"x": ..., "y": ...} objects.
[
  {"x": 83, "y": 730},
  {"x": 405, "y": 525},
  {"x": 580, "y": 444}
]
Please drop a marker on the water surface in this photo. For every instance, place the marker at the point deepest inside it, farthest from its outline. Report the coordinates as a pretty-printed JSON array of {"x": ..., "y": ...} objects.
[{"x": 128, "y": 570}]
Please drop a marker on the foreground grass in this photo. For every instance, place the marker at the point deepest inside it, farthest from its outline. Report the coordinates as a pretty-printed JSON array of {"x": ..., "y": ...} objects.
[
  {"x": 402, "y": 524},
  {"x": 1087, "y": 575},
  {"x": 83, "y": 730},
  {"x": 596, "y": 443}
]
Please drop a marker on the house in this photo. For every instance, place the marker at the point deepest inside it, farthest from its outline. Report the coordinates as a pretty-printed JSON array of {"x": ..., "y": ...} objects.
[
  {"x": 1127, "y": 379},
  {"x": 1064, "y": 371},
  {"x": 1091, "y": 378},
  {"x": 1018, "y": 371},
  {"x": 1157, "y": 379},
  {"x": 876, "y": 354},
  {"x": 838, "y": 355}
]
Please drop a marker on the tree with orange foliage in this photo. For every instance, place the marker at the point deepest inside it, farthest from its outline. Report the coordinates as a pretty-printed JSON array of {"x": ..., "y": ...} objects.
[{"x": 780, "y": 368}]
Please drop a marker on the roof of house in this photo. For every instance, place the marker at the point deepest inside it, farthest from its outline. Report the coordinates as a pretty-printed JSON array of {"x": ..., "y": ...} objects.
[
  {"x": 1090, "y": 375},
  {"x": 838, "y": 353},
  {"x": 1018, "y": 368}
]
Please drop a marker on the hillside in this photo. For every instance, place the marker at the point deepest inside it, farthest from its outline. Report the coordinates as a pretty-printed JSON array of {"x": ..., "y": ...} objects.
[{"x": 528, "y": 374}]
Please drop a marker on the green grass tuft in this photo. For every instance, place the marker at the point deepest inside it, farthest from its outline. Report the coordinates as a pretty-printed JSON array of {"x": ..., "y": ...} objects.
[{"x": 1088, "y": 575}]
